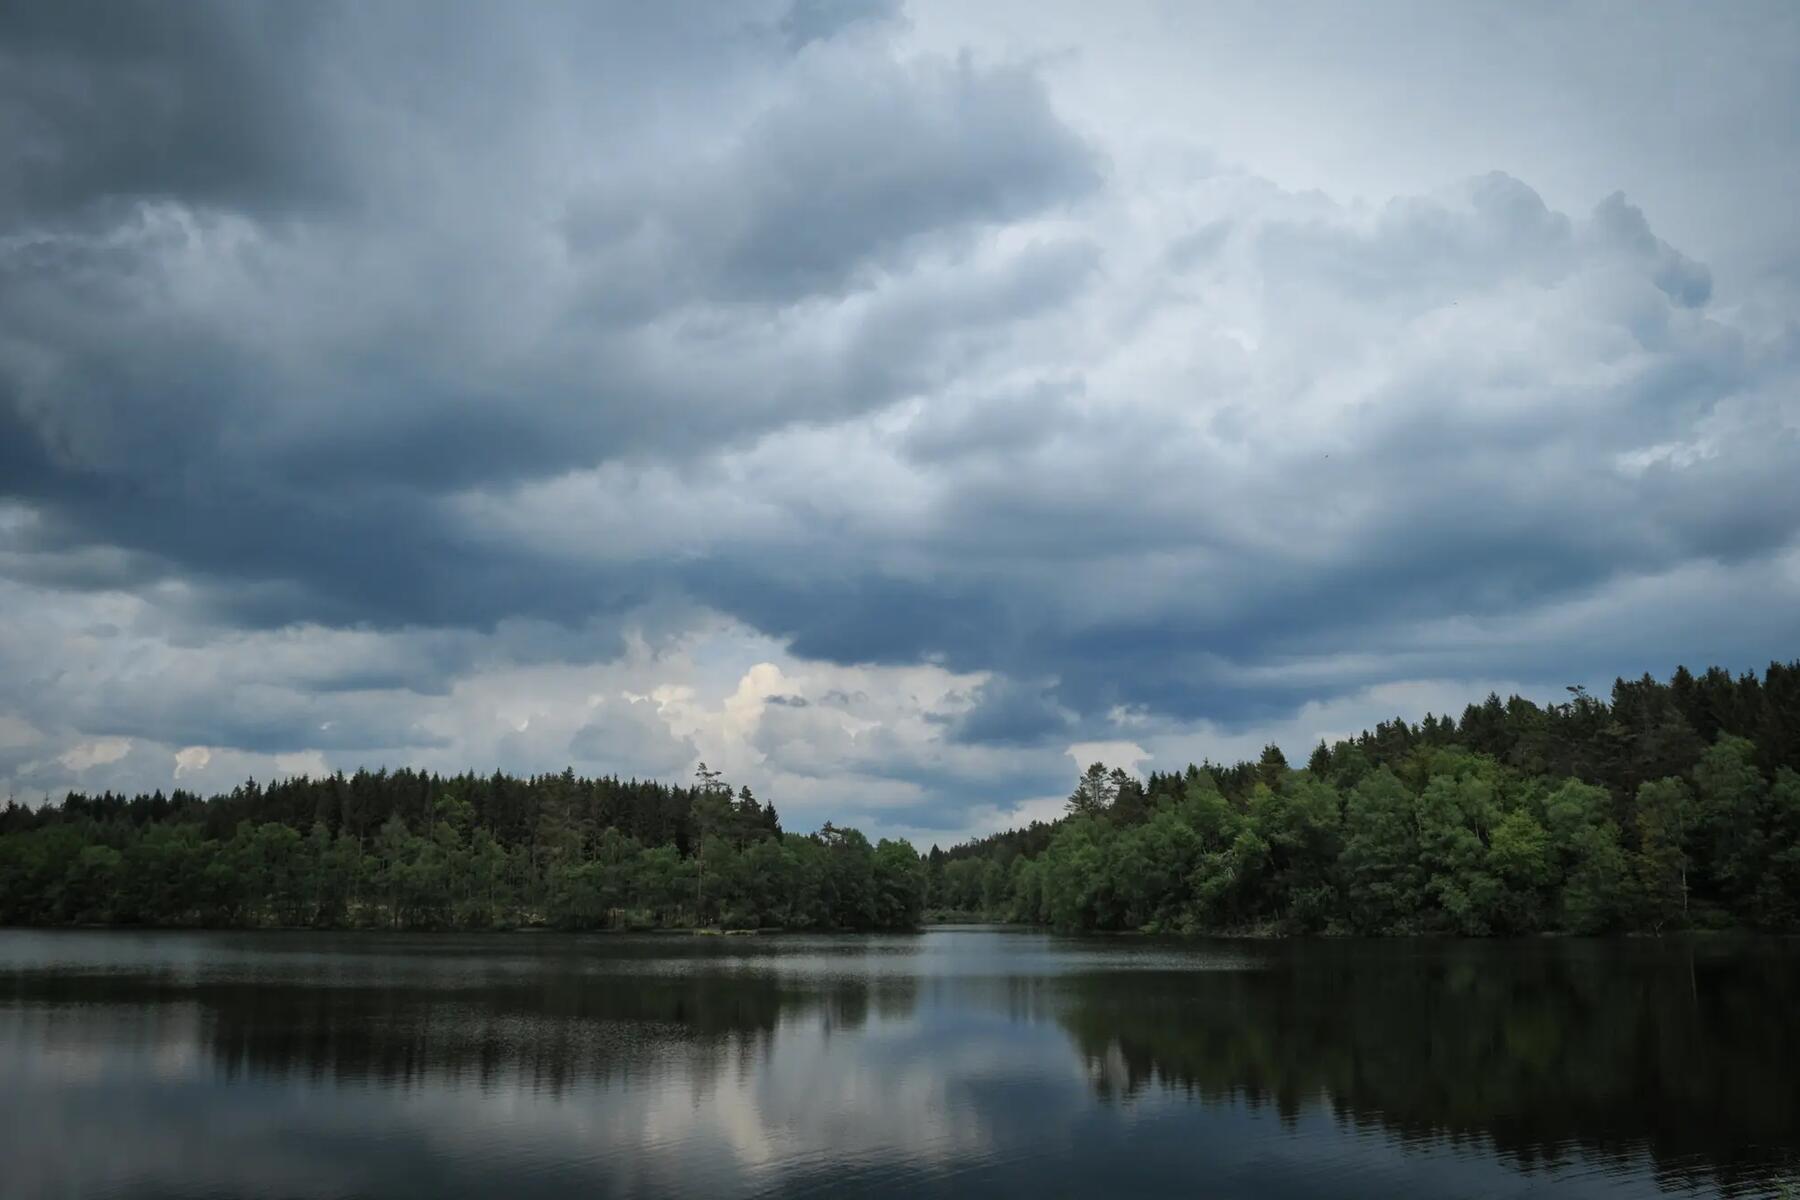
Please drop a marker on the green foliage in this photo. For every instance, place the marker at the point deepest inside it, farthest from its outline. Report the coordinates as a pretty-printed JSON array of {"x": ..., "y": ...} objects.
[
  {"x": 1384, "y": 878},
  {"x": 1522, "y": 858},
  {"x": 1655, "y": 812},
  {"x": 1672, "y": 805},
  {"x": 410, "y": 851},
  {"x": 1665, "y": 814}
]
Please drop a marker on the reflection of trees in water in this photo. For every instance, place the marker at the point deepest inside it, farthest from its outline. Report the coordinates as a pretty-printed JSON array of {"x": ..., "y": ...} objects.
[
  {"x": 548, "y": 1032},
  {"x": 1690, "y": 1052}
]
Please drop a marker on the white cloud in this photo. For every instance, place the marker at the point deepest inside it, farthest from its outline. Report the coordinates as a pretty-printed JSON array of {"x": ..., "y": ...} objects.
[
  {"x": 191, "y": 759},
  {"x": 1113, "y": 754},
  {"x": 305, "y": 762},
  {"x": 95, "y": 753}
]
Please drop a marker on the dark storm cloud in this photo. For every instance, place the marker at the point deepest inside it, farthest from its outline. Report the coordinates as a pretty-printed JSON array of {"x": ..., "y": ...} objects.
[
  {"x": 288, "y": 451},
  {"x": 467, "y": 340},
  {"x": 207, "y": 102},
  {"x": 1006, "y": 712},
  {"x": 933, "y": 151}
]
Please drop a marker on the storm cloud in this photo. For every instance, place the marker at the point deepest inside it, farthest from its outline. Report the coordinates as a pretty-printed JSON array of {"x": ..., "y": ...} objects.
[{"x": 881, "y": 402}]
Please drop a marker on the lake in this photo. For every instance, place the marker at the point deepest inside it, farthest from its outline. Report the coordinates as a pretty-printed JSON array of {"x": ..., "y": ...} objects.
[{"x": 959, "y": 1061}]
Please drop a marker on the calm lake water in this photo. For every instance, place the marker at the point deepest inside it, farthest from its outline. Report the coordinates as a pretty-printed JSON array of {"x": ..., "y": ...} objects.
[{"x": 958, "y": 1061}]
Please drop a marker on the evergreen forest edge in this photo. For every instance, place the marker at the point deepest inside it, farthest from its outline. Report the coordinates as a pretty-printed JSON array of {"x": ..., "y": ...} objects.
[{"x": 1667, "y": 806}]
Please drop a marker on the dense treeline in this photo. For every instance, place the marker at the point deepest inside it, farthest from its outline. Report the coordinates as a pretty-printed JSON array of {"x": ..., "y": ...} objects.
[
  {"x": 405, "y": 849},
  {"x": 1672, "y": 806}
]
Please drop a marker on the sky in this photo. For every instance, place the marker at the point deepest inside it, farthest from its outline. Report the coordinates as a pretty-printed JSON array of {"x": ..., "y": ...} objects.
[{"x": 896, "y": 406}]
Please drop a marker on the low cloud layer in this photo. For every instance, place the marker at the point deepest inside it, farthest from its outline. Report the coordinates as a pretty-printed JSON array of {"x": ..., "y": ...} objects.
[{"x": 843, "y": 395}]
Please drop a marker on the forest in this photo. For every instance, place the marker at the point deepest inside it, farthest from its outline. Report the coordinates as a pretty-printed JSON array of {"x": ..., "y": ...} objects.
[
  {"x": 1665, "y": 806},
  {"x": 402, "y": 849}
]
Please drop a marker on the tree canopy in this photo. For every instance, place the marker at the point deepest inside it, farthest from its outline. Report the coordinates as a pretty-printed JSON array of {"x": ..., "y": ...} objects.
[
  {"x": 1671, "y": 805},
  {"x": 1666, "y": 806},
  {"x": 405, "y": 849}
]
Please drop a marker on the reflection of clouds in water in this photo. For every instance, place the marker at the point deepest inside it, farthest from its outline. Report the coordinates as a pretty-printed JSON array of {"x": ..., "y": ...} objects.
[
  {"x": 890, "y": 1092},
  {"x": 889, "y": 1089},
  {"x": 652, "y": 1066},
  {"x": 904, "y": 1089},
  {"x": 665, "y": 1070},
  {"x": 897, "y": 1092},
  {"x": 40, "y": 1045}
]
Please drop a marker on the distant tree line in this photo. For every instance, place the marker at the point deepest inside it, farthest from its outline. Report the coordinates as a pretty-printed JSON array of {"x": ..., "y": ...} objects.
[
  {"x": 404, "y": 849},
  {"x": 1670, "y": 806},
  {"x": 1667, "y": 806}
]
